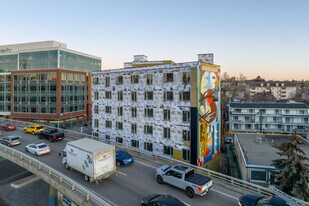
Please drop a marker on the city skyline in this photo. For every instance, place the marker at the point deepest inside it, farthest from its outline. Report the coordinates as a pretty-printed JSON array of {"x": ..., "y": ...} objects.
[{"x": 266, "y": 38}]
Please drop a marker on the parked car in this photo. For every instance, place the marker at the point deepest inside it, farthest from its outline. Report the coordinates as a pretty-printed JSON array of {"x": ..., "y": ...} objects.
[
  {"x": 185, "y": 178},
  {"x": 7, "y": 126},
  {"x": 229, "y": 140},
  {"x": 164, "y": 200},
  {"x": 258, "y": 200},
  {"x": 11, "y": 140},
  {"x": 34, "y": 129},
  {"x": 38, "y": 148},
  {"x": 123, "y": 158},
  {"x": 51, "y": 134}
]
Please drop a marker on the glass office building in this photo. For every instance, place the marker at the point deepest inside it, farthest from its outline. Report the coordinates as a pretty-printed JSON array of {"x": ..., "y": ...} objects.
[{"x": 49, "y": 82}]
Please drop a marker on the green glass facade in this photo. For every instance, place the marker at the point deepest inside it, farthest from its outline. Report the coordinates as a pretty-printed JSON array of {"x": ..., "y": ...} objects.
[
  {"x": 38, "y": 60},
  {"x": 32, "y": 91},
  {"x": 8, "y": 63},
  {"x": 73, "y": 61},
  {"x": 5, "y": 92}
]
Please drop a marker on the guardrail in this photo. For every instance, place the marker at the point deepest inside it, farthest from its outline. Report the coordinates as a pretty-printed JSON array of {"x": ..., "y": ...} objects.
[
  {"x": 76, "y": 192},
  {"x": 222, "y": 179}
]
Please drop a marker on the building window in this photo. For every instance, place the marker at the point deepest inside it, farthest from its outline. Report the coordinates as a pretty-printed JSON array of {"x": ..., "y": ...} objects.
[
  {"x": 108, "y": 124},
  {"x": 147, "y": 129},
  {"x": 168, "y": 150},
  {"x": 148, "y": 112},
  {"x": 133, "y": 96},
  {"x": 119, "y": 80},
  {"x": 95, "y": 81},
  {"x": 107, "y": 137},
  {"x": 186, "y": 155},
  {"x": 236, "y": 126},
  {"x": 120, "y": 95},
  {"x": 135, "y": 143},
  {"x": 149, "y": 79},
  {"x": 166, "y": 115},
  {"x": 133, "y": 128},
  {"x": 119, "y": 125},
  {"x": 168, "y": 96},
  {"x": 96, "y": 95},
  {"x": 96, "y": 123},
  {"x": 120, "y": 111},
  {"x": 166, "y": 133},
  {"x": 134, "y": 112},
  {"x": 119, "y": 140},
  {"x": 186, "y": 116},
  {"x": 186, "y": 135},
  {"x": 186, "y": 77},
  {"x": 258, "y": 175},
  {"x": 148, "y": 146},
  {"x": 235, "y": 118},
  {"x": 302, "y": 111},
  {"x": 251, "y": 111},
  {"x": 108, "y": 109},
  {"x": 263, "y": 111},
  {"x": 108, "y": 95},
  {"x": 168, "y": 77},
  {"x": 248, "y": 126},
  {"x": 238, "y": 110},
  {"x": 184, "y": 96},
  {"x": 107, "y": 81},
  {"x": 96, "y": 109},
  {"x": 148, "y": 95},
  {"x": 134, "y": 79}
]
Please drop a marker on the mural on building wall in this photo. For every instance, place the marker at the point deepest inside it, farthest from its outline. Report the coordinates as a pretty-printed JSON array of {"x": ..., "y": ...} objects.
[{"x": 209, "y": 113}]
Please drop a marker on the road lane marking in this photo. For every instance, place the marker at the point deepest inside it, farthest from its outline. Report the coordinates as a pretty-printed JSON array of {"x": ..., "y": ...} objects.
[
  {"x": 145, "y": 164},
  {"x": 121, "y": 173},
  {"x": 222, "y": 193}
]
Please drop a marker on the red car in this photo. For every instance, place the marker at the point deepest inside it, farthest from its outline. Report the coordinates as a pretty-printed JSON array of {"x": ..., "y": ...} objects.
[{"x": 7, "y": 126}]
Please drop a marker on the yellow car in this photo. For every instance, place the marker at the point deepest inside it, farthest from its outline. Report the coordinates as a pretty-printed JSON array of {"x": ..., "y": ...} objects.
[{"x": 34, "y": 129}]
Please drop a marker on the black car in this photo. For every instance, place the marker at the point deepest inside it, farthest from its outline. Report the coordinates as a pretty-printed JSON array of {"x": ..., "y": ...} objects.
[
  {"x": 257, "y": 200},
  {"x": 158, "y": 200}
]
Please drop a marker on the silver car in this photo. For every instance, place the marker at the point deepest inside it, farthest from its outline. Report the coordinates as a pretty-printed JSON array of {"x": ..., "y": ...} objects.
[{"x": 11, "y": 140}]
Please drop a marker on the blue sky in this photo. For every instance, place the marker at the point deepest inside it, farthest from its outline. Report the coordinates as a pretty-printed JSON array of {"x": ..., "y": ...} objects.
[{"x": 269, "y": 38}]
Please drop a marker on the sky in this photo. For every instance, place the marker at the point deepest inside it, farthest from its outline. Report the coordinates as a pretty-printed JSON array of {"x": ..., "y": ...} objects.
[{"x": 269, "y": 38}]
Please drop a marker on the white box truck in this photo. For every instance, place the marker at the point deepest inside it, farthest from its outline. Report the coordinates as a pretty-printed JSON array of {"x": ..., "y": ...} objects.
[{"x": 96, "y": 160}]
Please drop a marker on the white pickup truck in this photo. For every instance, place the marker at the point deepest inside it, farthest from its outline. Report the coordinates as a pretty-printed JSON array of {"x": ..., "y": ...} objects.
[{"x": 184, "y": 178}]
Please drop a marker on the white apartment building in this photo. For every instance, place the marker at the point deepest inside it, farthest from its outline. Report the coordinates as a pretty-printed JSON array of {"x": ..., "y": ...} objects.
[
  {"x": 269, "y": 117},
  {"x": 280, "y": 90},
  {"x": 156, "y": 107}
]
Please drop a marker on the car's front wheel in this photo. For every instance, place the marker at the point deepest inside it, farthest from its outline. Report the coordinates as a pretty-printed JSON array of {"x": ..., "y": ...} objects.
[
  {"x": 86, "y": 178},
  {"x": 159, "y": 179},
  {"x": 118, "y": 164}
]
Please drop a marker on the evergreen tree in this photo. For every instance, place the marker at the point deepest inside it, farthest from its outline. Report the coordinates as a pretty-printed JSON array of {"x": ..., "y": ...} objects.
[{"x": 292, "y": 174}]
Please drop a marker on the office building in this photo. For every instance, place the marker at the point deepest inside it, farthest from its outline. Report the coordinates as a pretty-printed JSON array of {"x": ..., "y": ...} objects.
[
  {"x": 170, "y": 109},
  {"x": 269, "y": 117},
  {"x": 46, "y": 82}
]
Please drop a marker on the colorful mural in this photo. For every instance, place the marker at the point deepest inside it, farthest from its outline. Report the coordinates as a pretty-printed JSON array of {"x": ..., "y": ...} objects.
[{"x": 209, "y": 113}]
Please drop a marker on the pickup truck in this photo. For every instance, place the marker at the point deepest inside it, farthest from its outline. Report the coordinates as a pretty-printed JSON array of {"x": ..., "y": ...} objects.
[
  {"x": 185, "y": 178},
  {"x": 51, "y": 134},
  {"x": 34, "y": 129}
]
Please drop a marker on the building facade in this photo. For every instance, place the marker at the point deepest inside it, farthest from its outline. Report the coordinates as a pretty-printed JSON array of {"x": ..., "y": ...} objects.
[
  {"x": 280, "y": 90},
  {"x": 269, "y": 117},
  {"x": 45, "y": 81},
  {"x": 171, "y": 109}
]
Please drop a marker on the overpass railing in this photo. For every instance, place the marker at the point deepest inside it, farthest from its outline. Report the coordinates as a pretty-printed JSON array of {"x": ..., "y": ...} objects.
[{"x": 219, "y": 178}]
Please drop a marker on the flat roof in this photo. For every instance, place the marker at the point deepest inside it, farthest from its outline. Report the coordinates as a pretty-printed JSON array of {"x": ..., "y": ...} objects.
[
  {"x": 262, "y": 154},
  {"x": 274, "y": 105},
  {"x": 90, "y": 145}
]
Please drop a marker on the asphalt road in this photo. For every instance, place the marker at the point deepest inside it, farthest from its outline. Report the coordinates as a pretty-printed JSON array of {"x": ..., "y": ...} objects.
[{"x": 132, "y": 183}]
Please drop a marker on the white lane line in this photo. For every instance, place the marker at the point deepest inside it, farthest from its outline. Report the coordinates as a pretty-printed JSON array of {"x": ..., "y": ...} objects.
[
  {"x": 222, "y": 193},
  {"x": 142, "y": 163},
  {"x": 122, "y": 173}
]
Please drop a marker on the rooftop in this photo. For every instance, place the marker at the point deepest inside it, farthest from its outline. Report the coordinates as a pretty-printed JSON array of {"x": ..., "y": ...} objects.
[
  {"x": 258, "y": 148},
  {"x": 275, "y": 105}
]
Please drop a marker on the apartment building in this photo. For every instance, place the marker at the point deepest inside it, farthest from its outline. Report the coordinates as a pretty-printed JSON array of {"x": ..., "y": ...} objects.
[
  {"x": 170, "y": 109},
  {"x": 46, "y": 82},
  {"x": 269, "y": 117},
  {"x": 280, "y": 90}
]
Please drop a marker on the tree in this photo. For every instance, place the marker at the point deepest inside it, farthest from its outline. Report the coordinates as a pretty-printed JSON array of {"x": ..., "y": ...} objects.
[
  {"x": 292, "y": 174},
  {"x": 3, "y": 202}
]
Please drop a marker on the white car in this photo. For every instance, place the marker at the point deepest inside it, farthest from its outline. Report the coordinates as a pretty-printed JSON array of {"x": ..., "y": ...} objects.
[{"x": 38, "y": 148}]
